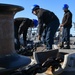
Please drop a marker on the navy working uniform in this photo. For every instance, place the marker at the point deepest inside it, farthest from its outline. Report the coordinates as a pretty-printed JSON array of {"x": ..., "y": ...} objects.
[
  {"x": 21, "y": 26},
  {"x": 48, "y": 25},
  {"x": 67, "y": 24},
  {"x": 67, "y": 21}
]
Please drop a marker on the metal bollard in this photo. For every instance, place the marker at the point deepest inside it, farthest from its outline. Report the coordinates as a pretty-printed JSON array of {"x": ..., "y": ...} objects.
[
  {"x": 9, "y": 59},
  {"x": 7, "y": 13}
]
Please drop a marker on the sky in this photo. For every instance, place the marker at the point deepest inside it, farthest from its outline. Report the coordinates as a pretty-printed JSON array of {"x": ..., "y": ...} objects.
[{"x": 52, "y": 5}]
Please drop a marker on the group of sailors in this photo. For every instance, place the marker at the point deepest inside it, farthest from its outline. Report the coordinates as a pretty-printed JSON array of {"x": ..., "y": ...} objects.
[{"x": 48, "y": 25}]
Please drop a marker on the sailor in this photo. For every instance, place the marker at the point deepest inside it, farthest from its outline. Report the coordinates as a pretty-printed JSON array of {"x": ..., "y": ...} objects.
[
  {"x": 66, "y": 24},
  {"x": 48, "y": 25},
  {"x": 21, "y": 26}
]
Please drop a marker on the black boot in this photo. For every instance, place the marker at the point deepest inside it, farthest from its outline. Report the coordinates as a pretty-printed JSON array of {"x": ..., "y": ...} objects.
[{"x": 68, "y": 46}]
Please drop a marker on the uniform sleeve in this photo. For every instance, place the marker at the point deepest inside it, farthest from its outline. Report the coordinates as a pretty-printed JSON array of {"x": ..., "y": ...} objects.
[
  {"x": 68, "y": 19},
  {"x": 40, "y": 21}
]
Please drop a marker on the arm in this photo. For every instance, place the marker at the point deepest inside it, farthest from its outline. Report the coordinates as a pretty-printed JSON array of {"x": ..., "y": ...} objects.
[{"x": 40, "y": 20}]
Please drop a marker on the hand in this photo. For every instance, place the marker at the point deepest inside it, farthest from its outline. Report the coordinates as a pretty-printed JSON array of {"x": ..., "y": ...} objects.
[
  {"x": 60, "y": 29},
  {"x": 39, "y": 37},
  {"x": 61, "y": 25}
]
